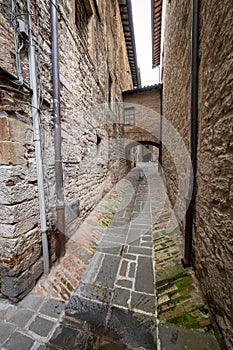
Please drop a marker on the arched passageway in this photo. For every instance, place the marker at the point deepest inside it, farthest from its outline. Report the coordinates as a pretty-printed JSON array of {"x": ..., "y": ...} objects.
[{"x": 142, "y": 151}]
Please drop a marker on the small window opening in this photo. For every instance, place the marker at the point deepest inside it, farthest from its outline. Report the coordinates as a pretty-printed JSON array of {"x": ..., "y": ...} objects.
[{"x": 129, "y": 116}]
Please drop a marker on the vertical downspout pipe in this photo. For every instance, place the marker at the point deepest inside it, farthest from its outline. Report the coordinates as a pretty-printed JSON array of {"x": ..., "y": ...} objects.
[
  {"x": 37, "y": 141},
  {"x": 60, "y": 204},
  {"x": 194, "y": 134},
  {"x": 161, "y": 130}
]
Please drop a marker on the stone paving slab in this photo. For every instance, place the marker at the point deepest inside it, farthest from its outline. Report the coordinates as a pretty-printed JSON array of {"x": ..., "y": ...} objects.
[
  {"x": 174, "y": 338},
  {"x": 118, "y": 292},
  {"x": 121, "y": 285},
  {"x": 29, "y": 323}
]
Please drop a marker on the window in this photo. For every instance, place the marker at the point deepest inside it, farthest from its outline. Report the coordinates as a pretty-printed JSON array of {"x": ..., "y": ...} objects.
[
  {"x": 83, "y": 12},
  {"x": 129, "y": 115}
]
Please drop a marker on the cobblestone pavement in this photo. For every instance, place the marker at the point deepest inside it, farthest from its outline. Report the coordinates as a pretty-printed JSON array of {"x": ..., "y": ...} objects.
[{"x": 120, "y": 284}]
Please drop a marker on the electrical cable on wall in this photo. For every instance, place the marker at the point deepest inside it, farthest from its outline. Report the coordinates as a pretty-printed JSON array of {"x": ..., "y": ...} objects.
[{"x": 17, "y": 48}]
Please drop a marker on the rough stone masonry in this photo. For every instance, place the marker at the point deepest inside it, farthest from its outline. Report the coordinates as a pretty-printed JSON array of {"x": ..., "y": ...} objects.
[
  {"x": 213, "y": 252},
  {"x": 93, "y": 70}
]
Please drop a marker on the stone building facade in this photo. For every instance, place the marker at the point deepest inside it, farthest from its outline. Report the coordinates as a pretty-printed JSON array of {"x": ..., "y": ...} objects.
[
  {"x": 212, "y": 234},
  {"x": 142, "y": 107},
  {"x": 94, "y": 70}
]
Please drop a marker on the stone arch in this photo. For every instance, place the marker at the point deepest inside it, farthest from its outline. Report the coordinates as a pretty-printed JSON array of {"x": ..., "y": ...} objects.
[
  {"x": 132, "y": 144},
  {"x": 140, "y": 135}
]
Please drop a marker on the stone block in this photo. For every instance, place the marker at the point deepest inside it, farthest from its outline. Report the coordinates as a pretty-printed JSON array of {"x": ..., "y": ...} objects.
[
  {"x": 17, "y": 229},
  {"x": 87, "y": 310},
  {"x": 64, "y": 336},
  {"x": 53, "y": 308},
  {"x": 21, "y": 317},
  {"x": 15, "y": 288},
  {"x": 124, "y": 283},
  {"x": 124, "y": 267},
  {"x": 17, "y": 246},
  {"x": 121, "y": 297},
  {"x": 20, "y": 131},
  {"x": 16, "y": 264},
  {"x": 172, "y": 337},
  {"x": 140, "y": 250},
  {"x": 19, "y": 212},
  {"x": 132, "y": 270},
  {"x": 6, "y": 329},
  {"x": 107, "y": 247},
  {"x": 143, "y": 302},
  {"x": 12, "y": 174},
  {"x": 41, "y": 326},
  {"x": 94, "y": 292},
  {"x": 19, "y": 341},
  {"x": 4, "y": 129},
  {"x": 11, "y": 153},
  {"x": 32, "y": 302},
  {"x": 144, "y": 281},
  {"x": 11, "y": 192},
  {"x": 108, "y": 271},
  {"x": 133, "y": 329}
]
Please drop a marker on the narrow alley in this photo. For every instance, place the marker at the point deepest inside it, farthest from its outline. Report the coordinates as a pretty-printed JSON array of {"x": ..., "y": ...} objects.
[
  {"x": 116, "y": 183},
  {"x": 134, "y": 293}
]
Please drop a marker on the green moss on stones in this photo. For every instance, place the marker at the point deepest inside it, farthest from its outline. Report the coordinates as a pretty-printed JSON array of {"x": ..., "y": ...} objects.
[
  {"x": 184, "y": 284},
  {"x": 184, "y": 320}
]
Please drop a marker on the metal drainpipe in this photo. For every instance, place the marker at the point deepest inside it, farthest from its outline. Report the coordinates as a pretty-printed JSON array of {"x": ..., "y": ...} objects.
[
  {"x": 60, "y": 204},
  {"x": 37, "y": 140},
  {"x": 194, "y": 135},
  {"x": 161, "y": 130}
]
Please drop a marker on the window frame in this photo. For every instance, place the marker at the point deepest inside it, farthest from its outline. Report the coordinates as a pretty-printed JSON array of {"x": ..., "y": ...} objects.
[{"x": 129, "y": 118}]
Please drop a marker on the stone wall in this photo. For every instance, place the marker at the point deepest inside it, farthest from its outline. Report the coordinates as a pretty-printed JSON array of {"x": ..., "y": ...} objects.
[
  {"x": 213, "y": 252},
  {"x": 146, "y": 104},
  {"x": 90, "y": 74},
  {"x": 213, "y": 240},
  {"x": 176, "y": 88}
]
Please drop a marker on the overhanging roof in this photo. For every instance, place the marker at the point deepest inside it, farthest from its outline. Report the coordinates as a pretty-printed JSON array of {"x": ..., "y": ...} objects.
[
  {"x": 156, "y": 13},
  {"x": 127, "y": 23}
]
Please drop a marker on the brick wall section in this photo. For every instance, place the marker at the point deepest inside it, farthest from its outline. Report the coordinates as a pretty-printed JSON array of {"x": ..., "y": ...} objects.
[
  {"x": 213, "y": 254},
  {"x": 89, "y": 76}
]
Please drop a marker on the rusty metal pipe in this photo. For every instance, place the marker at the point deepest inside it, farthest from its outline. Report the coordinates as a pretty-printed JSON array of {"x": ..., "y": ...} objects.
[
  {"x": 194, "y": 135},
  {"x": 160, "y": 130},
  {"x": 60, "y": 203}
]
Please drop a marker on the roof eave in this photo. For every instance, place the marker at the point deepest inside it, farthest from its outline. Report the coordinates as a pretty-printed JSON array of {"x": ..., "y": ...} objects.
[
  {"x": 126, "y": 9},
  {"x": 156, "y": 14}
]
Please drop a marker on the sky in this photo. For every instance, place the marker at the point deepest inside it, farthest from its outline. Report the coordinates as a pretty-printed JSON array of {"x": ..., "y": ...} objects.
[{"x": 142, "y": 31}]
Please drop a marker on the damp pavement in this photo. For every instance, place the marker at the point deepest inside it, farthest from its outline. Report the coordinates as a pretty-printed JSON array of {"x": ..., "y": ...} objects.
[{"x": 120, "y": 285}]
